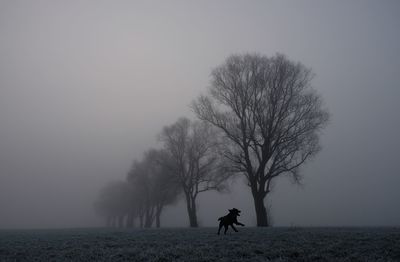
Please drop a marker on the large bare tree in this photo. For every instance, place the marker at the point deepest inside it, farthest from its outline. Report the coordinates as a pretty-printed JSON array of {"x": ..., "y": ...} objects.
[
  {"x": 270, "y": 116},
  {"x": 191, "y": 155}
]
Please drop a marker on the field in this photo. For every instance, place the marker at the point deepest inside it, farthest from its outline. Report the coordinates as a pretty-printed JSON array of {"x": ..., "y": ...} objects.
[{"x": 172, "y": 244}]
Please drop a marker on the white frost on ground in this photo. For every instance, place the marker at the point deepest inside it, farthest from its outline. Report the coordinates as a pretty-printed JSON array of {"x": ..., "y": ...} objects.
[{"x": 202, "y": 244}]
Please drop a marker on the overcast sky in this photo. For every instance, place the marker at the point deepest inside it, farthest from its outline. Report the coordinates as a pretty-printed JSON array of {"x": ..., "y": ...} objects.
[{"x": 86, "y": 86}]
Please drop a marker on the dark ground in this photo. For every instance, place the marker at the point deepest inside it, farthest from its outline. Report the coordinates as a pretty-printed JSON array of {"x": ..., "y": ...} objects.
[{"x": 249, "y": 244}]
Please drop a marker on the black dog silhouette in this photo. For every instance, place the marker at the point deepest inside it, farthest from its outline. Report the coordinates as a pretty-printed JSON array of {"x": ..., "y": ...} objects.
[{"x": 229, "y": 220}]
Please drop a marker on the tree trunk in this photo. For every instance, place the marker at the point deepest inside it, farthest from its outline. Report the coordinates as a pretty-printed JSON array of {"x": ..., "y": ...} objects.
[
  {"x": 261, "y": 211},
  {"x": 148, "y": 222},
  {"x": 158, "y": 215},
  {"x": 193, "y": 218},
  {"x": 191, "y": 208}
]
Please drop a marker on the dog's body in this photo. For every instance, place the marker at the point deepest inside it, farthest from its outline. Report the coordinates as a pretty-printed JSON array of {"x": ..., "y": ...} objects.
[{"x": 229, "y": 220}]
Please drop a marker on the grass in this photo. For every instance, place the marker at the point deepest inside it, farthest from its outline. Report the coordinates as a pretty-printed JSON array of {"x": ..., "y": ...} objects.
[{"x": 202, "y": 244}]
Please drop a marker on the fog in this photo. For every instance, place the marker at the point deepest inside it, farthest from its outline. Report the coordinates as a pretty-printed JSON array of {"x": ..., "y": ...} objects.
[{"x": 86, "y": 87}]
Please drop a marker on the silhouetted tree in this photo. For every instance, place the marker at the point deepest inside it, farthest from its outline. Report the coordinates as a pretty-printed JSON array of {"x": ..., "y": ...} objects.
[
  {"x": 165, "y": 188},
  {"x": 139, "y": 178},
  {"x": 135, "y": 206},
  {"x": 153, "y": 188},
  {"x": 113, "y": 203},
  {"x": 270, "y": 117},
  {"x": 191, "y": 155}
]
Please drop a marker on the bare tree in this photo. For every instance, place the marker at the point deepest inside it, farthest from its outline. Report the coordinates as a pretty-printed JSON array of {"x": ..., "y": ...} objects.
[
  {"x": 270, "y": 117},
  {"x": 113, "y": 203},
  {"x": 139, "y": 177},
  {"x": 136, "y": 206},
  {"x": 165, "y": 189},
  {"x": 191, "y": 155},
  {"x": 152, "y": 187}
]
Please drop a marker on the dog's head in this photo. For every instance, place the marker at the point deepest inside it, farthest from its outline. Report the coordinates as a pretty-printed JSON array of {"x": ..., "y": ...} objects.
[{"x": 235, "y": 211}]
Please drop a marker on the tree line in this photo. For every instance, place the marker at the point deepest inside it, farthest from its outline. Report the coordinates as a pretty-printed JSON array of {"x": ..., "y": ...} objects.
[{"x": 260, "y": 118}]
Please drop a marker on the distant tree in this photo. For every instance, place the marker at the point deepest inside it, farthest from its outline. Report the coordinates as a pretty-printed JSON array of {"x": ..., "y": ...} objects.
[
  {"x": 192, "y": 157},
  {"x": 135, "y": 206},
  {"x": 113, "y": 204},
  {"x": 153, "y": 188},
  {"x": 141, "y": 184},
  {"x": 270, "y": 117},
  {"x": 165, "y": 188}
]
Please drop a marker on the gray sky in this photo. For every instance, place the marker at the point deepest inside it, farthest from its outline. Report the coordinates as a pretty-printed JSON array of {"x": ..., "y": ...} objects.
[{"x": 85, "y": 87}]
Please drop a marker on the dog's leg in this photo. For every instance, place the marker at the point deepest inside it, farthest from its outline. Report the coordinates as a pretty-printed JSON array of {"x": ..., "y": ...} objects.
[
  {"x": 220, "y": 226},
  {"x": 226, "y": 229},
  {"x": 240, "y": 224},
  {"x": 234, "y": 228}
]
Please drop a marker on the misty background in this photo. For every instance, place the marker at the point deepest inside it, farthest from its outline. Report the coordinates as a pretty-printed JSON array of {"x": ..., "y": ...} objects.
[{"x": 86, "y": 87}]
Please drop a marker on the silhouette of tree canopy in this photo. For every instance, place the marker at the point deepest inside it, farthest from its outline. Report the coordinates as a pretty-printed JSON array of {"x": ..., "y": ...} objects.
[{"x": 270, "y": 118}]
